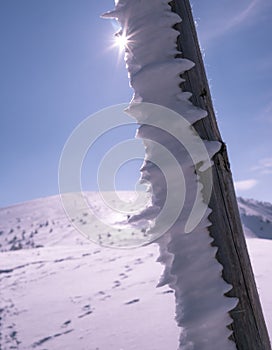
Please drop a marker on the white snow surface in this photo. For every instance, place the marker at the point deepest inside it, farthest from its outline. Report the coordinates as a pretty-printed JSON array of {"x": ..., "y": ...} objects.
[{"x": 60, "y": 291}]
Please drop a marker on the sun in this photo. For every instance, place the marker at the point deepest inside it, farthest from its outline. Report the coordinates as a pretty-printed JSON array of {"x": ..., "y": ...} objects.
[{"x": 121, "y": 41}]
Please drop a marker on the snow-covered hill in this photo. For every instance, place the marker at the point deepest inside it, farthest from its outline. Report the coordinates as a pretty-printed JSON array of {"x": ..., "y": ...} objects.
[
  {"x": 257, "y": 221},
  {"x": 60, "y": 291},
  {"x": 256, "y": 217}
]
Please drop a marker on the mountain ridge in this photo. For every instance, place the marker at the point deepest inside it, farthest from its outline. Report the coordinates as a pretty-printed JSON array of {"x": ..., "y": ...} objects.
[{"x": 34, "y": 223}]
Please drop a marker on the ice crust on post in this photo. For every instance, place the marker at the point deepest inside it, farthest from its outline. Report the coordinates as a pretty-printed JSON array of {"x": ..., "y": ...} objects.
[{"x": 191, "y": 267}]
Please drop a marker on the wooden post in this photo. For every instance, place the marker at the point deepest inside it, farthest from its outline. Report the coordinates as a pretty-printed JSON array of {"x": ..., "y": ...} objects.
[{"x": 249, "y": 329}]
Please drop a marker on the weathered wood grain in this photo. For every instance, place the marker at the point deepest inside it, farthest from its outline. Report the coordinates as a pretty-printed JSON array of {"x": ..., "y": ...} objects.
[{"x": 249, "y": 329}]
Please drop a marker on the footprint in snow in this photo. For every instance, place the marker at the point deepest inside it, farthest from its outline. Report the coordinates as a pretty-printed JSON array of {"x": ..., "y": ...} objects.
[
  {"x": 132, "y": 301},
  {"x": 86, "y": 307},
  {"x": 128, "y": 268},
  {"x": 66, "y": 323},
  {"x": 138, "y": 261},
  {"x": 85, "y": 314},
  {"x": 116, "y": 284}
]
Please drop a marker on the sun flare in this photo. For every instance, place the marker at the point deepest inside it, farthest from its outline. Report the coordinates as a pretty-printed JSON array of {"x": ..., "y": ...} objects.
[{"x": 121, "y": 41}]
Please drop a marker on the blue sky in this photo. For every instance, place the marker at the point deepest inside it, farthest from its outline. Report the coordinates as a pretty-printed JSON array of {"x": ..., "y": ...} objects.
[{"x": 58, "y": 67}]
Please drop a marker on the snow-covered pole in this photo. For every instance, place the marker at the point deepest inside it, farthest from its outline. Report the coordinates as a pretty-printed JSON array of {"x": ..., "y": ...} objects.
[
  {"x": 200, "y": 274},
  {"x": 249, "y": 329}
]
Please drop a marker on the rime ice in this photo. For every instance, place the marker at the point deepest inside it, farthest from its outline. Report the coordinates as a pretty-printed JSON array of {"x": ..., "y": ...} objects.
[{"x": 191, "y": 269}]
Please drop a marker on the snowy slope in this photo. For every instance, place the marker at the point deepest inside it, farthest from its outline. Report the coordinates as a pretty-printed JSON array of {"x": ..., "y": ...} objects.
[
  {"x": 256, "y": 217},
  {"x": 59, "y": 291},
  {"x": 62, "y": 292},
  {"x": 257, "y": 221}
]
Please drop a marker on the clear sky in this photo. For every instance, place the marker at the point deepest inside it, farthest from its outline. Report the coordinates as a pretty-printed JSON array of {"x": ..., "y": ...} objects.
[{"x": 58, "y": 67}]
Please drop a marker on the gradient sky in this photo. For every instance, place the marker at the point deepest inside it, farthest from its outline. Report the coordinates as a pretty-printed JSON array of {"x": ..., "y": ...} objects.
[{"x": 58, "y": 67}]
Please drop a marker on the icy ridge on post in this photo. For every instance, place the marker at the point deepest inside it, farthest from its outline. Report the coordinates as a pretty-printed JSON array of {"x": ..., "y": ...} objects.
[{"x": 191, "y": 267}]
